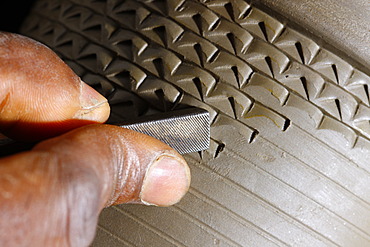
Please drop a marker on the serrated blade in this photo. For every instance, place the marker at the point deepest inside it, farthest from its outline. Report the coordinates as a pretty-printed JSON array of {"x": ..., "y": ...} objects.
[{"x": 186, "y": 130}]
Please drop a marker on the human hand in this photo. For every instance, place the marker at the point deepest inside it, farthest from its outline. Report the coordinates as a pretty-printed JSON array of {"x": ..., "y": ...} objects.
[{"x": 53, "y": 194}]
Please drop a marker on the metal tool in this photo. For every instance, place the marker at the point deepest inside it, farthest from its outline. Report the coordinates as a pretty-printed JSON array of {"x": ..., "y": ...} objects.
[{"x": 186, "y": 130}]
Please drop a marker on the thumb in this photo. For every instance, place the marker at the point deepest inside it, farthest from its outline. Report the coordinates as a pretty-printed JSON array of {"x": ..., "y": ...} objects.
[
  {"x": 40, "y": 96},
  {"x": 60, "y": 186}
]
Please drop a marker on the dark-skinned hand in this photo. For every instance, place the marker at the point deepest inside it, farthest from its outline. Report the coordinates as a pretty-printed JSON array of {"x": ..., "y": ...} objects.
[{"x": 53, "y": 194}]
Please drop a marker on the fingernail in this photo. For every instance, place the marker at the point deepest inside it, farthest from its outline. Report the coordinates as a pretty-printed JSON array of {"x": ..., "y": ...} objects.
[
  {"x": 166, "y": 182},
  {"x": 94, "y": 106}
]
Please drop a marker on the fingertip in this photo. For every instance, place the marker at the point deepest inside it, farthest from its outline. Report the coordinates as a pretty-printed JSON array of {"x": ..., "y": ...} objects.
[
  {"x": 94, "y": 107},
  {"x": 166, "y": 181},
  {"x": 40, "y": 95}
]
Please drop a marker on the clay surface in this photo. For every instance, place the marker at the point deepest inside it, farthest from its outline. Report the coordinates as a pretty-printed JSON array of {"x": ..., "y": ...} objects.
[
  {"x": 290, "y": 135},
  {"x": 342, "y": 24}
]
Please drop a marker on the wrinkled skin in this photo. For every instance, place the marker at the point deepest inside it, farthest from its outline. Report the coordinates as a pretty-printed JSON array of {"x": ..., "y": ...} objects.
[
  {"x": 53, "y": 194},
  {"x": 39, "y": 95}
]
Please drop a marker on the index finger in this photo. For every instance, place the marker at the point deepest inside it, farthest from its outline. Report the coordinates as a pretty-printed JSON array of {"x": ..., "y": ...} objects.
[{"x": 40, "y": 96}]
